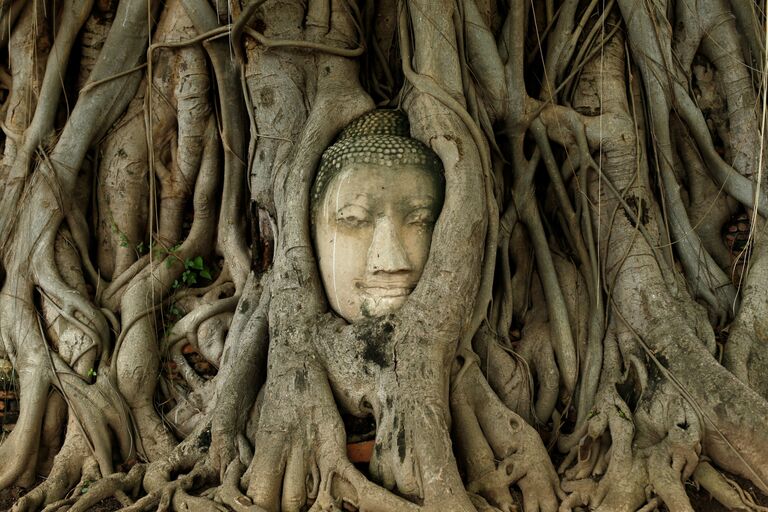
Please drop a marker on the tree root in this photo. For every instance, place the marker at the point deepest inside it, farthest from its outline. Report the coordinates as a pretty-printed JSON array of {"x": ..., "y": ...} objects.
[
  {"x": 90, "y": 492},
  {"x": 643, "y": 412},
  {"x": 229, "y": 491},
  {"x": 174, "y": 495},
  {"x": 620, "y": 463},
  {"x": 507, "y": 372},
  {"x": 67, "y": 467},
  {"x": 302, "y": 451},
  {"x": 726, "y": 491},
  {"x": 20, "y": 448},
  {"x": 498, "y": 448}
]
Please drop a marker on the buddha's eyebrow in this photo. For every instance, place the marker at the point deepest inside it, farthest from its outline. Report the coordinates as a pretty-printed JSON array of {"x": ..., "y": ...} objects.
[
  {"x": 358, "y": 195},
  {"x": 421, "y": 201},
  {"x": 352, "y": 201}
]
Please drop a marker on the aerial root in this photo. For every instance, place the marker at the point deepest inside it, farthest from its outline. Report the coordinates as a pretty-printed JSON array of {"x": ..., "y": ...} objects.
[
  {"x": 536, "y": 350},
  {"x": 726, "y": 491},
  {"x": 69, "y": 465},
  {"x": 19, "y": 450},
  {"x": 508, "y": 374},
  {"x": 346, "y": 485},
  {"x": 229, "y": 492},
  {"x": 167, "y": 493},
  {"x": 89, "y": 492},
  {"x": 613, "y": 471},
  {"x": 498, "y": 448},
  {"x": 78, "y": 228},
  {"x": 75, "y": 308}
]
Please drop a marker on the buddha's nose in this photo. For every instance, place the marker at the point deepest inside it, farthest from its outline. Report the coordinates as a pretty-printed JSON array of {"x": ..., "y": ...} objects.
[{"x": 387, "y": 253}]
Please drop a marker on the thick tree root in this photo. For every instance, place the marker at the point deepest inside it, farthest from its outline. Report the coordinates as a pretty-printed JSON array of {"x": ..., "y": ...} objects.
[
  {"x": 498, "y": 448},
  {"x": 169, "y": 481},
  {"x": 68, "y": 466},
  {"x": 90, "y": 492},
  {"x": 621, "y": 463},
  {"x": 726, "y": 491},
  {"x": 302, "y": 451},
  {"x": 588, "y": 244}
]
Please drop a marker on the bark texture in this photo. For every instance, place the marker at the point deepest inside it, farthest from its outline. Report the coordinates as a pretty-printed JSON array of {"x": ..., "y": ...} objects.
[{"x": 595, "y": 291}]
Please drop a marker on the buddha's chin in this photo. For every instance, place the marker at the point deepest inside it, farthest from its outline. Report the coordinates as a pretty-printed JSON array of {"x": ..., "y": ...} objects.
[{"x": 376, "y": 305}]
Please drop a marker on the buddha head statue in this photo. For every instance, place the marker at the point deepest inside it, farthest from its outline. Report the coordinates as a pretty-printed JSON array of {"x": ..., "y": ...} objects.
[{"x": 374, "y": 202}]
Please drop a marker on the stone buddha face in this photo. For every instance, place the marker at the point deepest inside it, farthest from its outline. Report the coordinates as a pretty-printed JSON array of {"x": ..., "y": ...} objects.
[{"x": 372, "y": 223}]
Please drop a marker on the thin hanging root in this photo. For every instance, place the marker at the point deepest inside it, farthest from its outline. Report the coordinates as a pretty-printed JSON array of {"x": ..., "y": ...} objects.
[
  {"x": 73, "y": 15},
  {"x": 231, "y": 227},
  {"x": 562, "y": 337},
  {"x": 589, "y": 268}
]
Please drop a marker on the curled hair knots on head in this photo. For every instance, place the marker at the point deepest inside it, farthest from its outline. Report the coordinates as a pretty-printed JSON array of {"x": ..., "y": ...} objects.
[{"x": 380, "y": 137}]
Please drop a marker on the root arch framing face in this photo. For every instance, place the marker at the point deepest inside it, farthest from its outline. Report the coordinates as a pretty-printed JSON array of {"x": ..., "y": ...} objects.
[{"x": 558, "y": 254}]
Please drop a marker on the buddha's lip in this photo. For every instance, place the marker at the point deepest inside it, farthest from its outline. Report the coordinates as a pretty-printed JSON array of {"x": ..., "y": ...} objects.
[{"x": 388, "y": 290}]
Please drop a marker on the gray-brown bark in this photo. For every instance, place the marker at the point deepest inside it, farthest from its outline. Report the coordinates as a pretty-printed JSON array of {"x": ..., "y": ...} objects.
[{"x": 161, "y": 303}]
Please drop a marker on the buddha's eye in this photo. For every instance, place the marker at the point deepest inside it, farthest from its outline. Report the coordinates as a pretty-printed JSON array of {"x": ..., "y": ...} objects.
[
  {"x": 354, "y": 216},
  {"x": 420, "y": 217}
]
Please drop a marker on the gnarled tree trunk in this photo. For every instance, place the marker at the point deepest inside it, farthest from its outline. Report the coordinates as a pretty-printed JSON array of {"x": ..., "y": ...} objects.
[{"x": 595, "y": 291}]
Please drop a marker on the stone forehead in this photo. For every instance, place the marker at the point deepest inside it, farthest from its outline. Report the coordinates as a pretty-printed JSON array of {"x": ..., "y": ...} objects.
[{"x": 380, "y": 137}]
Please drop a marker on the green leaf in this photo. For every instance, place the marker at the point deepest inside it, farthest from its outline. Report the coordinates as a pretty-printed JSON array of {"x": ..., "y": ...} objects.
[
  {"x": 205, "y": 273},
  {"x": 198, "y": 263}
]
